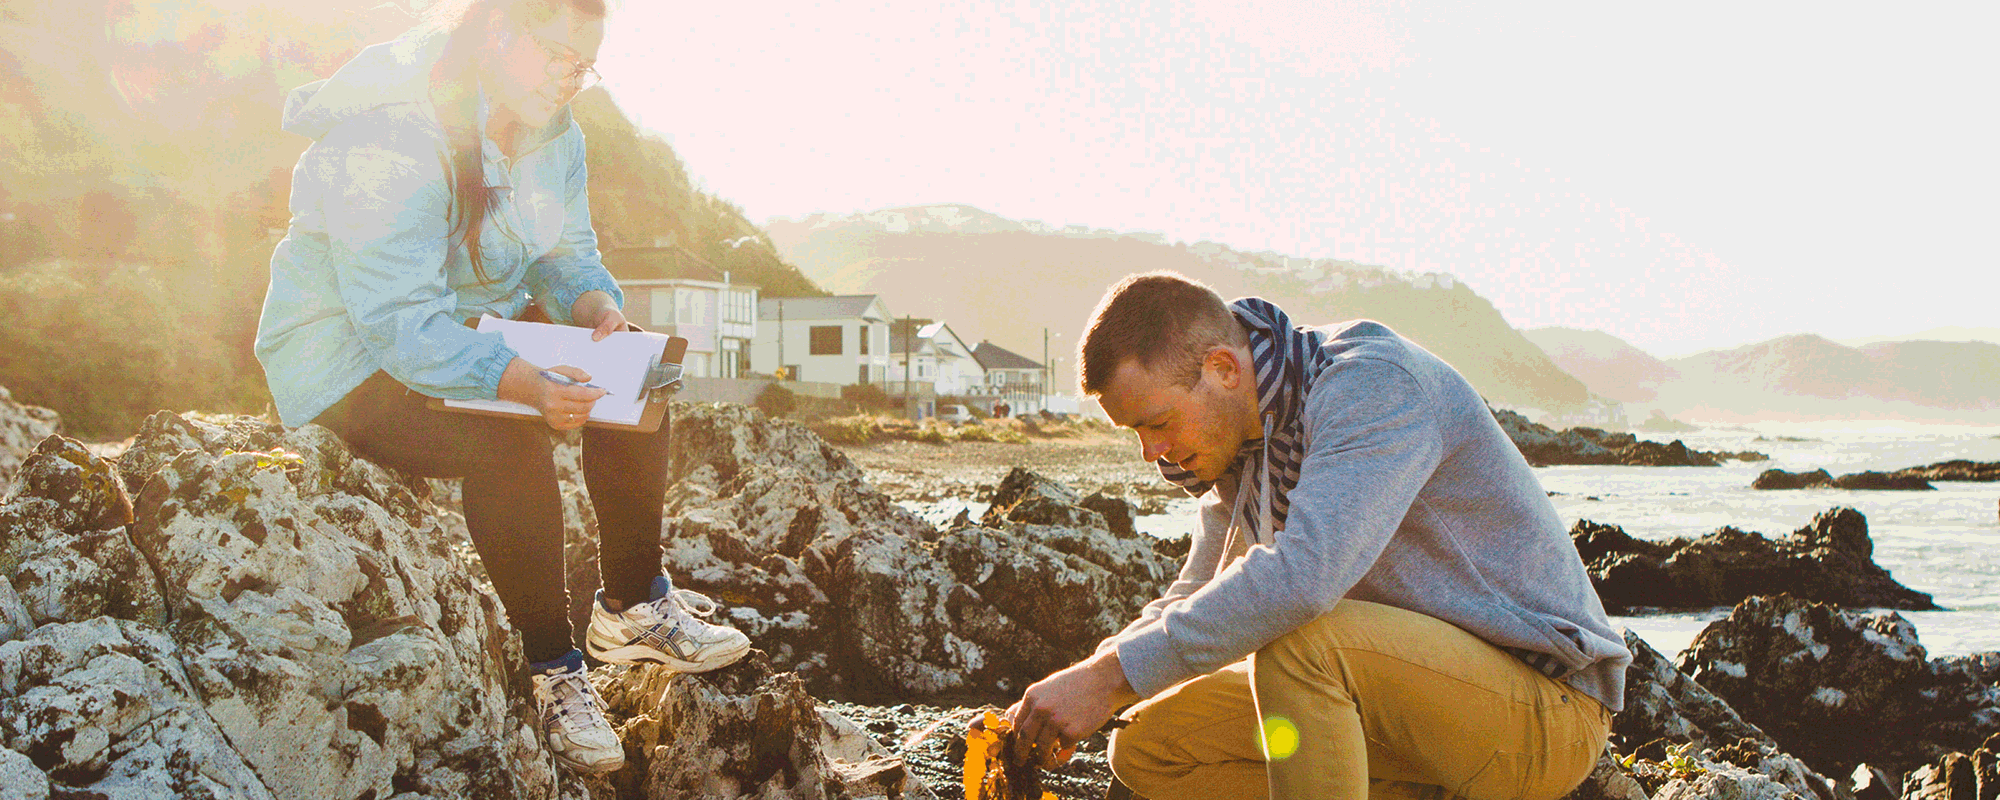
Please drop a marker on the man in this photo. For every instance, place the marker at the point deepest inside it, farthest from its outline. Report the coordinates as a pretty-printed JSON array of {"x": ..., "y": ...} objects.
[{"x": 1380, "y": 600}]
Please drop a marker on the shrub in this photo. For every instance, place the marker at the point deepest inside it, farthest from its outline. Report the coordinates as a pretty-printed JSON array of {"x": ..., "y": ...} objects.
[
  {"x": 867, "y": 396},
  {"x": 857, "y": 429},
  {"x": 777, "y": 401}
]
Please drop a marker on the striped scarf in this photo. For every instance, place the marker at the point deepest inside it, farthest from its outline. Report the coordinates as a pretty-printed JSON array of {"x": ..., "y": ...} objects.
[{"x": 1286, "y": 360}]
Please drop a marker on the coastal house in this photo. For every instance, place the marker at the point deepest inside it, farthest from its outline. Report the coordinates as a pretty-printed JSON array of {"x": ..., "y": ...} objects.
[
  {"x": 839, "y": 340},
  {"x": 671, "y": 290},
  {"x": 934, "y": 355},
  {"x": 1010, "y": 377}
]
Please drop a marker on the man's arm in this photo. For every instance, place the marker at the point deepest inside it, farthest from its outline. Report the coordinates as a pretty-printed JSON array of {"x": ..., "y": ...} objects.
[
  {"x": 1205, "y": 555},
  {"x": 1375, "y": 441}
]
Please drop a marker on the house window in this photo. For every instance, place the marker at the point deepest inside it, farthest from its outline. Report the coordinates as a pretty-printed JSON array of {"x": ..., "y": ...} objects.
[
  {"x": 863, "y": 377},
  {"x": 739, "y": 307},
  {"x": 825, "y": 340},
  {"x": 862, "y": 334}
]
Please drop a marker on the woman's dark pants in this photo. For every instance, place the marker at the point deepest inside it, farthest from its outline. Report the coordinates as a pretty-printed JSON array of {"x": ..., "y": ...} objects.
[{"x": 513, "y": 507}]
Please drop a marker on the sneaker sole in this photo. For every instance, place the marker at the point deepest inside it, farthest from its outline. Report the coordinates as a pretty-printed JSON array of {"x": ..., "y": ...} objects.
[
  {"x": 590, "y": 769},
  {"x": 641, "y": 654}
]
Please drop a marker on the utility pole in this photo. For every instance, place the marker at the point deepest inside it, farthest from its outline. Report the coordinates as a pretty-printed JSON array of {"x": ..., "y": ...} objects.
[
  {"x": 907, "y": 336},
  {"x": 782, "y": 367},
  {"x": 1047, "y": 376}
]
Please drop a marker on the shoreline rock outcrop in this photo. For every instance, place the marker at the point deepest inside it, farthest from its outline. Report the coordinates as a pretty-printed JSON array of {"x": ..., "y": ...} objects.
[
  {"x": 1957, "y": 470},
  {"x": 1830, "y": 560},
  {"x": 268, "y": 618},
  {"x": 866, "y": 600},
  {"x": 1778, "y": 479},
  {"x": 1546, "y": 447},
  {"x": 1842, "y": 688}
]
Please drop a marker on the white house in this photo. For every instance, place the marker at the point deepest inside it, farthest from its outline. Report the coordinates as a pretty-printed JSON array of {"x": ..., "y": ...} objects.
[
  {"x": 936, "y": 356},
  {"x": 843, "y": 340},
  {"x": 672, "y": 291},
  {"x": 1010, "y": 377}
]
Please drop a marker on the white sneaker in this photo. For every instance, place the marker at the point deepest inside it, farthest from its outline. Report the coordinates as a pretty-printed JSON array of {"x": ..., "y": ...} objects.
[
  {"x": 572, "y": 716},
  {"x": 664, "y": 631}
]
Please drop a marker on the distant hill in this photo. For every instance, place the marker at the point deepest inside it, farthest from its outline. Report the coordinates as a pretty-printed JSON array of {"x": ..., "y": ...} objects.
[
  {"x": 1006, "y": 281},
  {"x": 1798, "y": 377},
  {"x": 1811, "y": 376},
  {"x": 1610, "y": 366},
  {"x": 1948, "y": 333}
]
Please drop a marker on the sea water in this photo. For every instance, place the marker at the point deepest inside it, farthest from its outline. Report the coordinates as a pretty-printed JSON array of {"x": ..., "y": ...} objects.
[{"x": 1944, "y": 542}]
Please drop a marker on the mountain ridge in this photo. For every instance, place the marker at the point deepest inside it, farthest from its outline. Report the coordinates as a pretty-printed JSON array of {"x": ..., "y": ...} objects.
[{"x": 1010, "y": 279}]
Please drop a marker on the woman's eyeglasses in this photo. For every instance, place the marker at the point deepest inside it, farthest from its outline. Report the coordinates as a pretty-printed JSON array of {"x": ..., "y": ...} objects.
[{"x": 564, "y": 67}]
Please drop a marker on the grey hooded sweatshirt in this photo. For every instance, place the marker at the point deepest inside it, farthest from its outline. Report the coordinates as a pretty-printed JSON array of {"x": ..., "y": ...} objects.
[{"x": 1410, "y": 495}]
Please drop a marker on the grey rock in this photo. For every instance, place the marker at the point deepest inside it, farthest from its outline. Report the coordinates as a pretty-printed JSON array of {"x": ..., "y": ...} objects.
[
  {"x": 1829, "y": 560},
  {"x": 21, "y": 428},
  {"x": 864, "y": 599},
  {"x": 1837, "y": 687},
  {"x": 1958, "y": 776},
  {"x": 279, "y": 620}
]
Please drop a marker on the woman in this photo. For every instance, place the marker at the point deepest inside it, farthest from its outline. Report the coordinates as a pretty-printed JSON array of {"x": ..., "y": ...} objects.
[{"x": 447, "y": 181}]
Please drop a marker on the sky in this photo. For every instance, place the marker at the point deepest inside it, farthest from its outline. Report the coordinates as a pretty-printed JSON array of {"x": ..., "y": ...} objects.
[{"x": 1686, "y": 176}]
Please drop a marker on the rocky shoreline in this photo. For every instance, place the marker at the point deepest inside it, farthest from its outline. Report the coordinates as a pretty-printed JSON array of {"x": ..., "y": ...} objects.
[
  {"x": 230, "y": 608},
  {"x": 1546, "y": 447}
]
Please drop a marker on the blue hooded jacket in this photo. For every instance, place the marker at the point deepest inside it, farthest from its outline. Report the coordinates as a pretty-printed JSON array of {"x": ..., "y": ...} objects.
[{"x": 369, "y": 276}]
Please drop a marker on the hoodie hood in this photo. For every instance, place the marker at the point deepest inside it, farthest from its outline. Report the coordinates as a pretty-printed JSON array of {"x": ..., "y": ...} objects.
[{"x": 393, "y": 72}]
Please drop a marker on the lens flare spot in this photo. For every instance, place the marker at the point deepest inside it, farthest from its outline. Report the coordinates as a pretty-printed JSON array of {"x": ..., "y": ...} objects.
[{"x": 1281, "y": 738}]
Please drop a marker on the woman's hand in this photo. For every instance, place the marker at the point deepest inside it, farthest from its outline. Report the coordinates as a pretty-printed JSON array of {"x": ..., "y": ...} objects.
[
  {"x": 563, "y": 407},
  {"x": 597, "y": 311}
]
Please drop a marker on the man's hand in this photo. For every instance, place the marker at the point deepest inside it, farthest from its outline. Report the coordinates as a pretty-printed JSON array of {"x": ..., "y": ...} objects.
[
  {"x": 1060, "y": 710},
  {"x": 597, "y": 311}
]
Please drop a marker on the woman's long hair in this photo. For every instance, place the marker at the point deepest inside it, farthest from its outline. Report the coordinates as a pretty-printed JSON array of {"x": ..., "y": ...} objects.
[{"x": 469, "y": 27}]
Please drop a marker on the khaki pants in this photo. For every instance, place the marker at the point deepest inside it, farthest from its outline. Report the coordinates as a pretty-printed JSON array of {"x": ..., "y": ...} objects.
[{"x": 1366, "y": 701}]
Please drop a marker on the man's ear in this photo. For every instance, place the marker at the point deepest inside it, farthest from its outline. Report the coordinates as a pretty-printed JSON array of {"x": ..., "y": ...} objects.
[{"x": 1228, "y": 368}]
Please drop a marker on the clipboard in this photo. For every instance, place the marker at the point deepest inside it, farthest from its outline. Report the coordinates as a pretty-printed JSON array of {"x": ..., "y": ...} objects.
[{"x": 659, "y": 381}]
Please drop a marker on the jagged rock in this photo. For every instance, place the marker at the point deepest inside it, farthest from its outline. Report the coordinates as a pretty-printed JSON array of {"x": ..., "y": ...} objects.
[
  {"x": 1871, "y": 783},
  {"x": 742, "y": 731},
  {"x": 63, "y": 543},
  {"x": 1662, "y": 703},
  {"x": 1723, "y": 781},
  {"x": 1118, "y": 513},
  {"x": 1958, "y": 776},
  {"x": 1544, "y": 447},
  {"x": 20, "y": 778},
  {"x": 1026, "y": 497},
  {"x": 21, "y": 428},
  {"x": 1829, "y": 560},
  {"x": 1837, "y": 688},
  {"x": 279, "y": 620},
  {"x": 864, "y": 599},
  {"x": 1958, "y": 470},
  {"x": 1774, "y": 479},
  {"x": 1607, "y": 781}
]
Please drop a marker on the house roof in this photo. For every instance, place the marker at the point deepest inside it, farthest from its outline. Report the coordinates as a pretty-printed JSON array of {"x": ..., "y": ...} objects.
[
  {"x": 849, "y": 306},
  {"x": 928, "y": 333},
  {"x": 992, "y": 356},
  {"x": 659, "y": 263}
]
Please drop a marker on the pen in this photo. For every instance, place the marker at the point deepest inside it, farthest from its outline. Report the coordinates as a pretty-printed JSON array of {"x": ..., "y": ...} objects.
[{"x": 566, "y": 380}]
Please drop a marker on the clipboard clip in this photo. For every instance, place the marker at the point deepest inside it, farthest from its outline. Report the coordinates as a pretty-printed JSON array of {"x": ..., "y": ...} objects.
[{"x": 663, "y": 378}]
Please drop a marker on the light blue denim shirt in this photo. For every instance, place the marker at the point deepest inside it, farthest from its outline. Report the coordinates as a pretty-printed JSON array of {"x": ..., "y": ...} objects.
[{"x": 369, "y": 276}]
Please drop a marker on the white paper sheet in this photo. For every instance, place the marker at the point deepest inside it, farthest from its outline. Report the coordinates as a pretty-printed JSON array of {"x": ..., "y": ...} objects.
[{"x": 619, "y": 364}]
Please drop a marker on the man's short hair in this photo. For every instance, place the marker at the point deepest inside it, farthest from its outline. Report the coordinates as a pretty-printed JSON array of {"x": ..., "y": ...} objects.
[{"x": 1164, "y": 319}]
